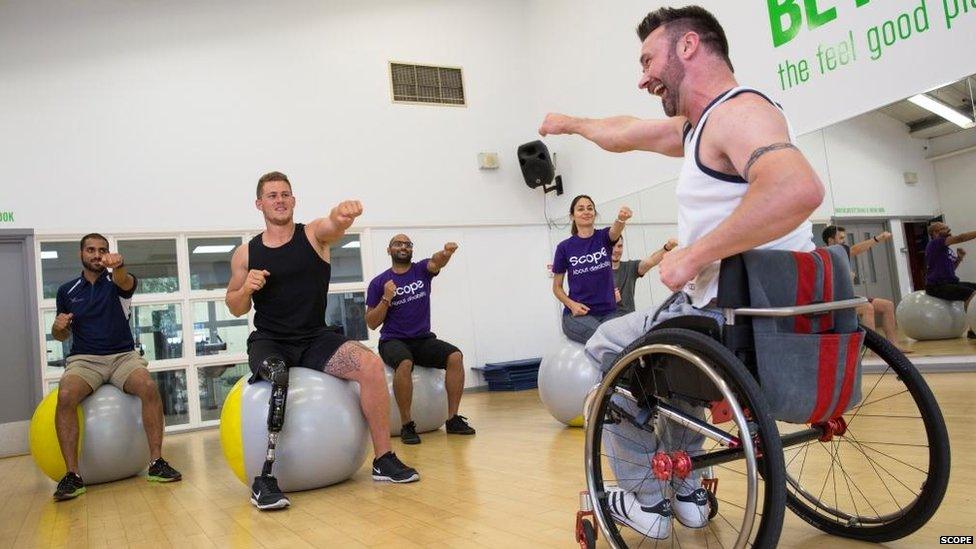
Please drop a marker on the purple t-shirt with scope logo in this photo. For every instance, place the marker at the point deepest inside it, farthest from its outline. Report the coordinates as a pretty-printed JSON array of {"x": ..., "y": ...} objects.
[
  {"x": 409, "y": 313},
  {"x": 586, "y": 262}
]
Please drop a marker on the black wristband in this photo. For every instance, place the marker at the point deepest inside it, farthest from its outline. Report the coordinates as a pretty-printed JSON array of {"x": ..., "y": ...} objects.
[{"x": 875, "y": 238}]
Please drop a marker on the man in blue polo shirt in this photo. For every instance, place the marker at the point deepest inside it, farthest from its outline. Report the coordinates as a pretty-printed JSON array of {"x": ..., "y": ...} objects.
[
  {"x": 399, "y": 299},
  {"x": 93, "y": 310}
]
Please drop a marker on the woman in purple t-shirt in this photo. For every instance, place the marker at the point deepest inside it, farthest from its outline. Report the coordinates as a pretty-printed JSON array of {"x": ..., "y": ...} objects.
[{"x": 585, "y": 260}]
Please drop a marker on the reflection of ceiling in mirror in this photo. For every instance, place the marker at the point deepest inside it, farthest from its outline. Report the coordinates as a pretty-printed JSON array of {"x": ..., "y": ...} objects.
[{"x": 922, "y": 123}]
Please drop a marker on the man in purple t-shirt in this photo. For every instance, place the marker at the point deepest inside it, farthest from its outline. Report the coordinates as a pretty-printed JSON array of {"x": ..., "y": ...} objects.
[
  {"x": 399, "y": 300},
  {"x": 941, "y": 263}
]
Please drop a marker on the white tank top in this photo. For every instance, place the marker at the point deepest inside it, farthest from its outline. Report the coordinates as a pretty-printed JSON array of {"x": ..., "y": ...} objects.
[{"x": 706, "y": 198}]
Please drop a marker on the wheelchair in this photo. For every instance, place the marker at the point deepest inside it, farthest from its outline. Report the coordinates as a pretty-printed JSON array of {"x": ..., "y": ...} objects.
[{"x": 689, "y": 393}]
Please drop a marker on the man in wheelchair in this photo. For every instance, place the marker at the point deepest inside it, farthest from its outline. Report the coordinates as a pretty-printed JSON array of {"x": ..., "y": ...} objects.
[{"x": 744, "y": 185}]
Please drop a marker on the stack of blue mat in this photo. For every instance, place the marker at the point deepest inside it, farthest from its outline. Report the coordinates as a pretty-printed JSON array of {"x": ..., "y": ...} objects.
[{"x": 515, "y": 375}]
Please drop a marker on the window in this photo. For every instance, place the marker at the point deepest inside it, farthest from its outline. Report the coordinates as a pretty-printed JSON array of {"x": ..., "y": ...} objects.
[
  {"x": 195, "y": 348},
  {"x": 59, "y": 263},
  {"x": 348, "y": 312},
  {"x": 210, "y": 262},
  {"x": 157, "y": 331},
  {"x": 56, "y": 351},
  {"x": 153, "y": 262},
  {"x": 216, "y": 331},
  {"x": 426, "y": 84},
  {"x": 215, "y": 383},
  {"x": 172, "y": 389},
  {"x": 346, "y": 260}
]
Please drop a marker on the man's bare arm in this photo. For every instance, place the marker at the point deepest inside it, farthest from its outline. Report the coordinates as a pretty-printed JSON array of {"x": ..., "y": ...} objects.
[
  {"x": 332, "y": 227},
  {"x": 621, "y": 133},
  {"x": 960, "y": 238}
]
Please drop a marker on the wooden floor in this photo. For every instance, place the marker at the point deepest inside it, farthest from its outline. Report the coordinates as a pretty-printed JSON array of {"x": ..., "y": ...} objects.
[
  {"x": 515, "y": 484},
  {"x": 960, "y": 346}
]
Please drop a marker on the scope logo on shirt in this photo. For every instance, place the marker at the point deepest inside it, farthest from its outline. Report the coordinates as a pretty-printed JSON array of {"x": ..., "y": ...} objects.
[
  {"x": 588, "y": 258},
  {"x": 409, "y": 288}
]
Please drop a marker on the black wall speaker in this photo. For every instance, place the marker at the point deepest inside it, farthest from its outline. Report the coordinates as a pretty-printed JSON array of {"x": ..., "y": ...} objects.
[{"x": 537, "y": 168}]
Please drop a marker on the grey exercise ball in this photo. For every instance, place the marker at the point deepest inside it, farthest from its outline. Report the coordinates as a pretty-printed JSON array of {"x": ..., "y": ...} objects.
[
  {"x": 565, "y": 377},
  {"x": 113, "y": 443},
  {"x": 324, "y": 439},
  {"x": 924, "y": 317},
  {"x": 971, "y": 314},
  {"x": 428, "y": 408}
]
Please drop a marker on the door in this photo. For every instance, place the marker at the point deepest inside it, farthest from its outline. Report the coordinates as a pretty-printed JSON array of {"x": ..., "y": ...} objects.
[
  {"x": 873, "y": 270},
  {"x": 19, "y": 366}
]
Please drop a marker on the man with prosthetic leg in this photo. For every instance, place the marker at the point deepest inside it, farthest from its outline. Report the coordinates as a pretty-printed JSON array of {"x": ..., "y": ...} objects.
[{"x": 284, "y": 273}]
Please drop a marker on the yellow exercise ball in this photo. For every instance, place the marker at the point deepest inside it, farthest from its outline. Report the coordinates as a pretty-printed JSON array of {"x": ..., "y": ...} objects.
[
  {"x": 44, "y": 446},
  {"x": 112, "y": 442},
  {"x": 231, "y": 437}
]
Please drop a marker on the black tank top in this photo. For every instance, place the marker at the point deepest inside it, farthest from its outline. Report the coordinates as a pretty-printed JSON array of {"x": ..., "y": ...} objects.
[{"x": 292, "y": 302}]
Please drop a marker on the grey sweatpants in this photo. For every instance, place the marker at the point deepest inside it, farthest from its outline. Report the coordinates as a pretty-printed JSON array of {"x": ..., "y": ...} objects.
[
  {"x": 581, "y": 328},
  {"x": 628, "y": 447}
]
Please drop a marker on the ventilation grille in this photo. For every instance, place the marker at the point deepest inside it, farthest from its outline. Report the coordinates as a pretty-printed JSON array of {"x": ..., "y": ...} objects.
[{"x": 425, "y": 84}]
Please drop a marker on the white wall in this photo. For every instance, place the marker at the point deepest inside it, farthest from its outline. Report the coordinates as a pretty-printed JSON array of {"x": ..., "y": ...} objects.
[{"x": 162, "y": 115}]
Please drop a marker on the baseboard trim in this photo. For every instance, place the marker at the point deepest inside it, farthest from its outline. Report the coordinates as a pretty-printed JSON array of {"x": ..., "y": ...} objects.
[{"x": 14, "y": 438}]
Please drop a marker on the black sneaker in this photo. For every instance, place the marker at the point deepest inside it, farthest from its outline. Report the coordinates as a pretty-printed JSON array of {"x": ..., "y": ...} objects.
[
  {"x": 266, "y": 495},
  {"x": 971, "y": 334},
  {"x": 458, "y": 425},
  {"x": 69, "y": 487},
  {"x": 160, "y": 471},
  {"x": 408, "y": 433},
  {"x": 388, "y": 467}
]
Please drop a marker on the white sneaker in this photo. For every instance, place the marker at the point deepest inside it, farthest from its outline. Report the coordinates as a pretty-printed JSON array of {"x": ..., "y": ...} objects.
[
  {"x": 654, "y": 522},
  {"x": 691, "y": 509}
]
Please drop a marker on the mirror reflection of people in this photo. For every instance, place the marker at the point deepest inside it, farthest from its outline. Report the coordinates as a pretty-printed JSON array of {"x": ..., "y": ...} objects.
[
  {"x": 941, "y": 263},
  {"x": 398, "y": 299},
  {"x": 93, "y": 310},
  {"x": 833, "y": 235},
  {"x": 584, "y": 261},
  {"x": 626, "y": 273}
]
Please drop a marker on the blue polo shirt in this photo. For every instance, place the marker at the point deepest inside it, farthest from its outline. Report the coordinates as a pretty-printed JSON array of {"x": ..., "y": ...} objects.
[{"x": 100, "y": 325}]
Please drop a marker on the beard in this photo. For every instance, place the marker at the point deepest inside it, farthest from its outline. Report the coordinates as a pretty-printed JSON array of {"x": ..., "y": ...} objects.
[
  {"x": 91, "y": 266},
  {"x": 403, "y": 258},
  {"x": 674, "y": 75}
]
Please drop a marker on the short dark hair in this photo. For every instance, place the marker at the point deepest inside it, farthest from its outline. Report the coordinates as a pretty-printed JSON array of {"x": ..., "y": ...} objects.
[
  {"x": 96, "y": 236},
  {"x": 271, "y": 176},
  {"x": 688, "y": 18},
  {"x": 830, "y": 231}
]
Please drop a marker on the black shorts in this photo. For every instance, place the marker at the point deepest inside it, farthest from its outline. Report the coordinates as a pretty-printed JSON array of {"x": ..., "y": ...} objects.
[
  {"x": 960, "y": 291},
  {"x": 422, "y": 351},
  {"x": 311, "y": 352}
]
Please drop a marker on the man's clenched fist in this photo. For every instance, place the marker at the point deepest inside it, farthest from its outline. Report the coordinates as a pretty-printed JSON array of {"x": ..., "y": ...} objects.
[{"x": 256, "y": 279}]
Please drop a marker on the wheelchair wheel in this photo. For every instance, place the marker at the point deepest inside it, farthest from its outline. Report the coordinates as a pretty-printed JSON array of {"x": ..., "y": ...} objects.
[
  {"x": 886, "y": 475},
  {"x": 646, "y": 411}
]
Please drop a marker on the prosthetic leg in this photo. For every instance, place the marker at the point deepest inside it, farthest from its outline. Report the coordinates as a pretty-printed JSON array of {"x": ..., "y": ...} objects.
[
  {"x": 275, "y": 370},
  {"x": 265, "y": 493}
]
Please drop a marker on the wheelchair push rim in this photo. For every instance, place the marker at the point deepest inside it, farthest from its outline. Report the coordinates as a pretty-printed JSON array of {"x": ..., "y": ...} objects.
[{"x": 597, "y": 406}]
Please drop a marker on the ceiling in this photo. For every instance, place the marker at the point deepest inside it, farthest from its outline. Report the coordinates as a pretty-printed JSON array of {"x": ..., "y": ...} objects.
[{"x": 923, "y": 124}]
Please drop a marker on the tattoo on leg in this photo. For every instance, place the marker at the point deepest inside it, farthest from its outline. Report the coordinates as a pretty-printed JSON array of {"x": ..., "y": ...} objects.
[
  {"x": 758, "y": 153},
  {"x": 347, "y": 359}
]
